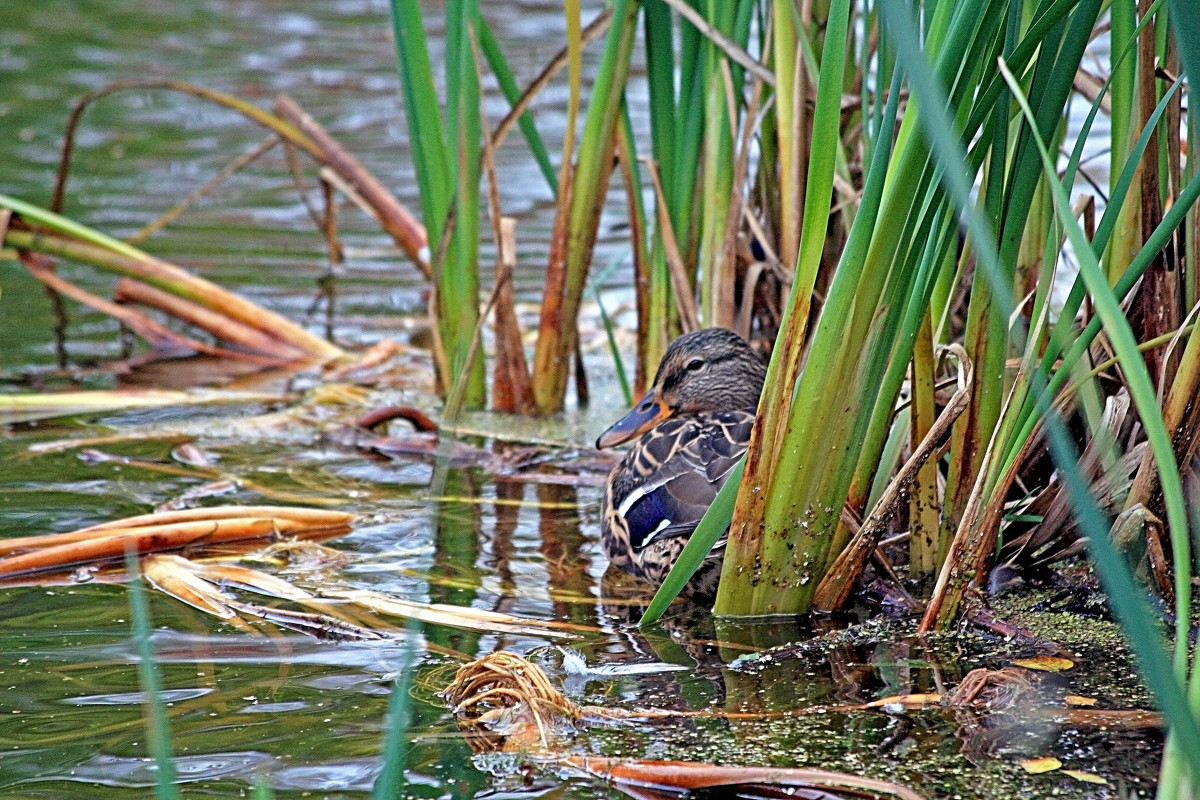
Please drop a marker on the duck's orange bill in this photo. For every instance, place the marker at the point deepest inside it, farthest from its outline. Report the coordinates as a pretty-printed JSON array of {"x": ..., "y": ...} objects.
[{"x": 648, "y": 412}]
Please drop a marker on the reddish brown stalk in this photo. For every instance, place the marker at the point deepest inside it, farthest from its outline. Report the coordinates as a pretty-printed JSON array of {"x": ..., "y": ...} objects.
[
  {"x": 420, "y": 421},
  {"x": 76, "y": 548},
  {"x": 397, "y": 220},
  {"x": 158, "y": 337},
  {"x": 161, "y": 339},
  {"x": 690, "y": 775},
  {"x": 129, "y": 290},
  {"x": 1157, "y": 308},
  {"x": 180, "y": 282},
  {"x": 512, "y": 389}
]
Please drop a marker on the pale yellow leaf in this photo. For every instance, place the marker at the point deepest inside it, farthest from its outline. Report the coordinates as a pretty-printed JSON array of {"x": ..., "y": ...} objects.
[
  {"x": 1045, "y": 663},
  {"x": 1086, "y": 777},
  {"x": 1036, "y": 766}
]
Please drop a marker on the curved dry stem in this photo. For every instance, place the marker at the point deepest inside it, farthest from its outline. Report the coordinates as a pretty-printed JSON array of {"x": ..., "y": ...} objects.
[{"x": 266, "y": 119}]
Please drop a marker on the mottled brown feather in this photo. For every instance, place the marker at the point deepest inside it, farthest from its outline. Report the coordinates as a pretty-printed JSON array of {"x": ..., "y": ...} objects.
[{"x": 710, "y": 380}]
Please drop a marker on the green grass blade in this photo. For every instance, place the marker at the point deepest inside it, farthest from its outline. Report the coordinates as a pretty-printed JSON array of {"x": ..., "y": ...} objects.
[
  {"x": 425, "y": 129},
  {"x": 61, "y": 224},
  {"x": 158, "y": 734},
  {"x": 512, "y": 93},
  {"x": 1142, "y": 391},
  {"x": 712, "y": 525},
  {"x": 827, "y": 119},
  {"x": 391, "y": 781}
]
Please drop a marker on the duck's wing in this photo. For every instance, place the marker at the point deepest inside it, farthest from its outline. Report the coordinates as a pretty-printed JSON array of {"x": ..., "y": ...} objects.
[{"x": 671, "y": 476}]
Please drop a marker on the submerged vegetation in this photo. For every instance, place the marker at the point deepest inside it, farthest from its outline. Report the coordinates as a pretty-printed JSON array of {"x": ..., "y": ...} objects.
[{"x": 982, "y": 360}]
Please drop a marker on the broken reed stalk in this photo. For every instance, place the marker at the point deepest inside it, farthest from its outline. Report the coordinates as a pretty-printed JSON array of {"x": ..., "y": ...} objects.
[
  {"x": 159, "y": 337},
  {"x": 175, "y": 280},
  {"x": 835, "y": 588},
  {"x": 511, "y": 387},
  {"x": 314, "y": 517},
  {"x": 147, "y": 540},
  {"x": 395, "y": 219},
  {"x": 168, "y": 531},
  {"x": 219, "y": 325}
]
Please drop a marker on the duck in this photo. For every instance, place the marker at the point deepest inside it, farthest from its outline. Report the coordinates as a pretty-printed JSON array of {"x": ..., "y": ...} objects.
[{"x": 689, "y": 432}]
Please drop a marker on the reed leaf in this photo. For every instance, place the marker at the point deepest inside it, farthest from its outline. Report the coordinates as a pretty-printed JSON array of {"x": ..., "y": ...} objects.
[
  {"x": 512, "y": 93},
  {"x": 1135, "y": 616},
  {"x": 158, "y": 734},
  {"x": 560, "y": 309},
  {"x": 392, "y": 781},
  {"x": 712, "y": 526}
]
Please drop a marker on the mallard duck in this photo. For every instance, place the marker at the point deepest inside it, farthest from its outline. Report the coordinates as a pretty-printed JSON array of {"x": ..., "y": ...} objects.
[{"x": 691, "y": 429}]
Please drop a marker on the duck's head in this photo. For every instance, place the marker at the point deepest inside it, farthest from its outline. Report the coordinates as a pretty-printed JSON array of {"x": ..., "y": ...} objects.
[{"x": 712, "y": 369}]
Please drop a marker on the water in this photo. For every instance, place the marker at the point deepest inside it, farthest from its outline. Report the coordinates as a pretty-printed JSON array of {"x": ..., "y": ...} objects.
[{"x": 303, "y": 715}]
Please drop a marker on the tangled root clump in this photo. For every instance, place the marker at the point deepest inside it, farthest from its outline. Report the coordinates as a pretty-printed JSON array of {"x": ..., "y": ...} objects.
[{"x": 503, "y": 702}]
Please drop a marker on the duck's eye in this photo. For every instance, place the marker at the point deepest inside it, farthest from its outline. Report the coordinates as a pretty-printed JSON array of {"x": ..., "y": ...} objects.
[{"x": 695, "y": 365}]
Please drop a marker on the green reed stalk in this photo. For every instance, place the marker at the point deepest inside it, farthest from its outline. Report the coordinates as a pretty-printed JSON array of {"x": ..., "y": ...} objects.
[
  {"x": 1141, "y": 389},
  {"x": 876, "y": 304},
  {"x": 786, "y": 31},
  {"x": 391, "y": 781},
  {"x": 69, "y": 239},
  {"x": 560, "y": 309},
  {"x": 447, "y": 161},
  {"x": 927, "y": 546},
  {"x": 158, "y": 732},
  {"x": 765, "y": 568},
  {"x": 458, "y": 289}
]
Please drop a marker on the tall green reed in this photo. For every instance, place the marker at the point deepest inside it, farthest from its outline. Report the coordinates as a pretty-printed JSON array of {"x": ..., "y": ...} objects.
[{"x": 446, "y": 156}]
